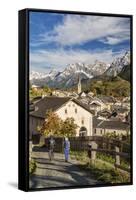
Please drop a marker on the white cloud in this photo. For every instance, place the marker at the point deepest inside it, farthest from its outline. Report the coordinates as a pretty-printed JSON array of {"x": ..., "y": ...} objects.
[
  {"x": 77, "y": 29},
  {"x": 60, "y": 58}
]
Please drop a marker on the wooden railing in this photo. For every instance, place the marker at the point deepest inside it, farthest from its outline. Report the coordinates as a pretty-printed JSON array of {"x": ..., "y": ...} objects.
[
  {"x": 117, "y": 148},
  {"x": 116, "y": 153}
]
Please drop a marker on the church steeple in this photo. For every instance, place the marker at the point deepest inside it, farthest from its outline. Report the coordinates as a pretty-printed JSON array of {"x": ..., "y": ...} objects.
[{"x": 79, "y": 85}]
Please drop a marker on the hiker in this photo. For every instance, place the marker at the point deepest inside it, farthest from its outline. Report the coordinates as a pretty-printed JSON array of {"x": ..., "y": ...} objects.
[
  {"x": 51, "y": 145},
  {"x": 66, "y": 148}
]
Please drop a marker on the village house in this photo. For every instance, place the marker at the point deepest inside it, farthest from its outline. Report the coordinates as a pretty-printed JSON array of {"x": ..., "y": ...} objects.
[
  {"x": 108, "y": 101},
  {"x": 35, "y": 87},
  {"x": 59, "y": 93},
  {"x": 84, "y": 98},
  {"x": 125, "y": 103},
  {"x": 93, "y": 103},
  {"x": 91, "y": 94},
  {"x": 65, "y": 107},
  {"x": 104, "y": 114},
  {"x": 121, "y": 113},
  {"x": 102, "y": 127},
  {"x": 95, "y": 106}
]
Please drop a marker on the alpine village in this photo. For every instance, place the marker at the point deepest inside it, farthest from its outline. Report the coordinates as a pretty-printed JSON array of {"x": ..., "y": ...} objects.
[{"x": 91, "y": 106}]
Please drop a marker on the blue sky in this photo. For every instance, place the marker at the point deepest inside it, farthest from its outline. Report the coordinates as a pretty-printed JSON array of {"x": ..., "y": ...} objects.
[{"x": 57, "y": 40}]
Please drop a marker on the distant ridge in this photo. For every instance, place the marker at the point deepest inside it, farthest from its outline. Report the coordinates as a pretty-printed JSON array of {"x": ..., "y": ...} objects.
[{"x": 96, "y": 71}]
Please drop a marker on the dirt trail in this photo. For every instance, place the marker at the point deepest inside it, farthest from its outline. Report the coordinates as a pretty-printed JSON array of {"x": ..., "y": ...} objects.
[{"x": 58, "y": 173}]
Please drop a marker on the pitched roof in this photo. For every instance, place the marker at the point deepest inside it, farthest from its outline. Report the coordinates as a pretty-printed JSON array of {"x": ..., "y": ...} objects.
[
  {"x": 35, "y": 99},
  {"x": 53, "y": 103},
  {"x": 95, "y": 104},
  {"x": 48, "y": 103},
  {"x": 82, "y": 105},
  {"x": 107, "y": 99},
  {"x": 114, "y": 125},
  {"x": 104, "y": 113},
  {"x": 105, "y": 124}
]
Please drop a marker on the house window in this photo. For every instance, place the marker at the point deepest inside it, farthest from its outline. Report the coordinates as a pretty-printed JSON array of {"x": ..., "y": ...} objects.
[
  {"x": 101, "y": 131},
  {"x": 65, "y": 111},
  {"x": 95, "y": 130},
  {"x": 75, "y": 110},
  {"x": 82, "y": 121}
]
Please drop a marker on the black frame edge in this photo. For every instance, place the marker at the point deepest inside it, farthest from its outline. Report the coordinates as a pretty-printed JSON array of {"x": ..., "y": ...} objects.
[
  {"x": 22, "y": 104},
  {"x": 77, "y": 12}
]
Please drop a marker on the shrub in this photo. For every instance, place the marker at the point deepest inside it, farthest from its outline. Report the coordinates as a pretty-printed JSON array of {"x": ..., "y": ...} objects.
[
  {"x": 32, "y": 166},
  {"x": 101, "y": 170},
  {"x": 107, "y": 174}
]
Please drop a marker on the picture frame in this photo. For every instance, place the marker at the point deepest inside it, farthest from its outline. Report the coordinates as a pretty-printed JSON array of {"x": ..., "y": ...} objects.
[{"x": 55, "y": 37}]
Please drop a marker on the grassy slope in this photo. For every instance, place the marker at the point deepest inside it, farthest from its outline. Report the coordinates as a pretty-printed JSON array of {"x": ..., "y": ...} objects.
[{"x": 108, "y": 86}]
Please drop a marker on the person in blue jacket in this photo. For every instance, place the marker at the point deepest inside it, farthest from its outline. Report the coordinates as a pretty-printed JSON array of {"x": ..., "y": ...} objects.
[{"x": 66, "y": 148}]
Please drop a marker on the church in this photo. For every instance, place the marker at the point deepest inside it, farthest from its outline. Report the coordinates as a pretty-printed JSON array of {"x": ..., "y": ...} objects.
[{"x": 79, "y": 86}]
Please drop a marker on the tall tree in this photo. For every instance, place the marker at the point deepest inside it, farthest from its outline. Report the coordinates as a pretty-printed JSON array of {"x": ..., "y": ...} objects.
[
  {"x": 68, "y": 127},
  {"x": 57, "y": 127},
  {"x": 46, "y": 89},
  {"x": 51, "y": 125}
]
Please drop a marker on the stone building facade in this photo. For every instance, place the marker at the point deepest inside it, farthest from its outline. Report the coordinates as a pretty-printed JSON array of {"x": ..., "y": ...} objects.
[{"x": 65, "y": 108}]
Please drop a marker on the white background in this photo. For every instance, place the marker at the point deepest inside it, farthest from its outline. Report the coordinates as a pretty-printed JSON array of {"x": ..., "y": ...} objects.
[{"x": 9, "y": 98}]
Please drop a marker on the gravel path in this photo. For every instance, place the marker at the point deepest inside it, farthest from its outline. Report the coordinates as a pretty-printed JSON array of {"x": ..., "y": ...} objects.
[{"x": 58, "y": 173}]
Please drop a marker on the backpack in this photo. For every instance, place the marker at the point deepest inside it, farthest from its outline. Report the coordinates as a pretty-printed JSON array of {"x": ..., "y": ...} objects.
[{"x": 51, "y": 143}]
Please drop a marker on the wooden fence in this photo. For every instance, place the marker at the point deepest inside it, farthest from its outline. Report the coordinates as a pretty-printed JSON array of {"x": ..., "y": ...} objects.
[
  {"x": 116, "y": 153},
  {"x": 118, "y": 149}
]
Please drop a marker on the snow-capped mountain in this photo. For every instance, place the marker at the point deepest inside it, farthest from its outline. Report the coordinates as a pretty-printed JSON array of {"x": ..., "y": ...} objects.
[
  {"x": 71, "y": 73},
  {"x": 40, "y": 75},
  {"x": 69, "y": 76},
  {"x": 99, "y": 68},
  {"x": 37, "y": 75},
  {"x": 39, "y": 78},
  {"x": 118, "y": 64},
  {"x": 77, "y": 68}
]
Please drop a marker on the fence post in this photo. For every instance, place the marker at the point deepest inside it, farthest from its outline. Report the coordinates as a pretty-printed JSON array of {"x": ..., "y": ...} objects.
[
  {"x": 42, "y": 140},
  {"x": 93, "y": 152},
  {"x": 117, "y": 157}
]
